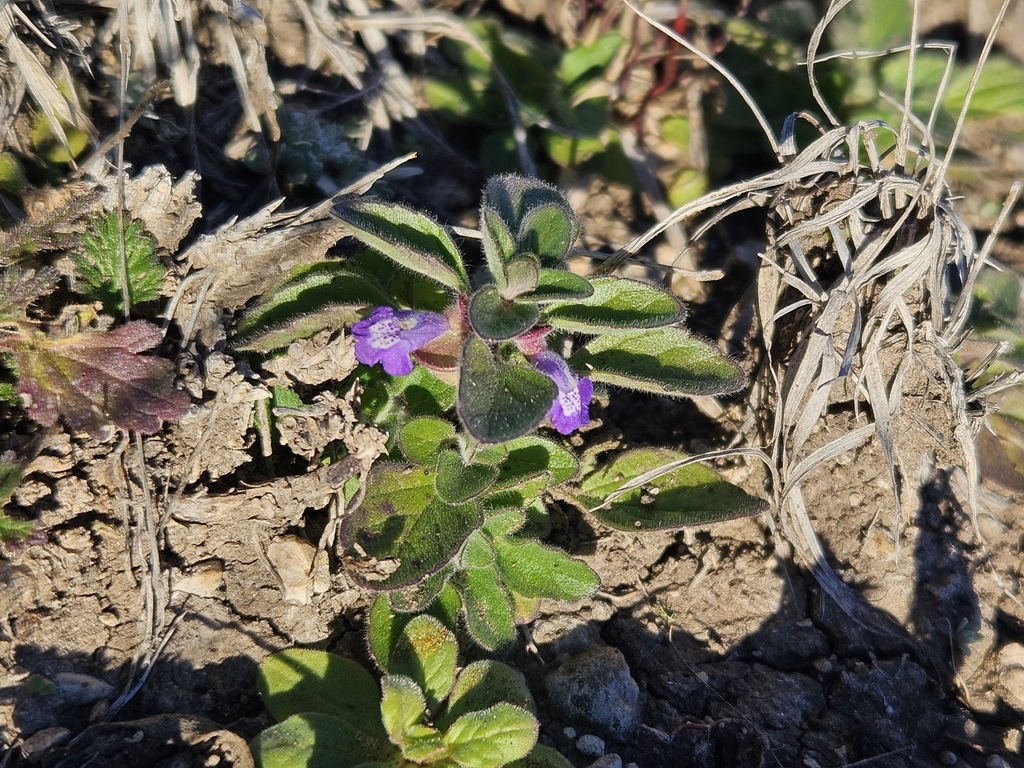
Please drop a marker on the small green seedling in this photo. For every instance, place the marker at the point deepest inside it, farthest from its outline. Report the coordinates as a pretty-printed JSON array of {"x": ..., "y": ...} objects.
[
  {"x": 425, "y": 712},
  {"x": 99, "y": 264}
]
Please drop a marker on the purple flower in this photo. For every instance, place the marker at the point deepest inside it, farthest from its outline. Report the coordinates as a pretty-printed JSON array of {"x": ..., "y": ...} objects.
[
  {"x": 571, "y": 408},
  {"x": 388, "y": 336}
]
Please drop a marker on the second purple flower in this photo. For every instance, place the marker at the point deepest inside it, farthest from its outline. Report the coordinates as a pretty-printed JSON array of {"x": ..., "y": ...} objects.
[{"x": 571, "y": 408}]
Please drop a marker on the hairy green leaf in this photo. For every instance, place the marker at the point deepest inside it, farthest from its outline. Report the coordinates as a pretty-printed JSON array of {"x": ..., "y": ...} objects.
[
  {"x": 530, "y": 456},
  {"x": 19, "y": 287},
  {"x": 402, "y": 532},
  {"x": 458, "y": 482},
  {"x": 497, "y": 319},
  {"x": 409, "y": 237},
  {"x": 312, "y": 298},
  {"x": 666, "y": 361},
  {"x": 690, "y": 495},
  {"x": 549, "y": 231},
  {"x": 483, "y": 684},
  {"x": 402, "y": 707},
  {"x": 617, "y": 304},
  {"x": 300, "y": 680},
  {"x": 422, "y": 595},
  {"x": 497, "y": 401},
  {"x": 559, "y": 285},
  {"x": 523, "y": 274},
  {"x": 100, "y": 266},
  {"x": 314, "y": 740},
  {"x": 499, "y": 245},
  {"x": 492, "y": 737},
  {"x": 487, "y": 607},
  {"x": 534, "y": 570},
  {"x": 422, "y": 439},
  {"x": 426, "y": 652}
]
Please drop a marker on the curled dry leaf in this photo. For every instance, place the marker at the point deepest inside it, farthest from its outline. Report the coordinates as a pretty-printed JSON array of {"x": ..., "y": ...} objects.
[{"x": 93, "y": 379}]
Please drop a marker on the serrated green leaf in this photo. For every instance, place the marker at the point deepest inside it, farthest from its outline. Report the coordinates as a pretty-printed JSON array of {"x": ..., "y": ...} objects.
[
  {"x": 104, "y": 266},
  {"x": 534, "y": 570},
  {"x": 422, "y": 439},
  {"x": 300, "y": 680},
  {"x": 665, "y": 361},
  {"x": 617, "y": 303},
  {"x": 492, "y": 737},
  {"x": 497, "y": 319},
  {"x": 426, "y": 652},
  {"x": 580, "y": 60},
  {"x": 402, "y": 707},
  {"x": 541, "y": 757},
  {"x": 530, "y": 456},
  {"x": 523, "y": 272},
  {"x": 457, "y": 482},
  {"x": 690, "y": 495},
  {"x": 559, "y": 285},
  {"x": 314, "y": 740},
  {"x": 483, "y": 684},
  {"x": 402, "y": 532},
  {"x": 548, "y": 231},
  {"x": 412, "y": 239},
  {"x": 486, "y": 606},
  {"x": 496, "y": 401}
]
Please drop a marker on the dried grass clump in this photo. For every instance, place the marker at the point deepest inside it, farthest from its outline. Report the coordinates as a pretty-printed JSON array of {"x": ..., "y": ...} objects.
[{"x": 865, "y": 284}]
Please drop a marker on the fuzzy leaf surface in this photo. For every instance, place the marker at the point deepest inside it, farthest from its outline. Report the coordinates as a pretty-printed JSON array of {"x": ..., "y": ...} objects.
[
  {"x": 19, "y": 287},
  {"x": 534, "y": 570},
  {"x": 403, "y": 524},
  {"x": 690, "y": 495},
  {"x": 426, "y": 652},
  {"x": 523, "y": 274},
  {"x": 617, "y": 304},
  {"x": 412, "y": 239},
  {"x": 665, "y": 361},
  {"x": 325, "y": 295},
  {"x": 92, "y": 379},
  {"x": 402, "y": 707},
  {"x": 300, "y": 680},
  {"x": 315, "y": 740},
  {"x": 458, "y": 482},
  {"x": 487, "y": 607},
  {"x": 499, "y": 244},
  {"x": 99, "y": 264},
  {"x": 498, "y": 401},
  {"x": 530, "y": 456},
  {"x": 492, "y": 737},
  {"x": 559, "y": 285},
  {"x": 422, "y": 439},
  {"x": 483, "y": 684},
  {"x": 549, "y": 231},
  {"x": 497, "y": 319}
]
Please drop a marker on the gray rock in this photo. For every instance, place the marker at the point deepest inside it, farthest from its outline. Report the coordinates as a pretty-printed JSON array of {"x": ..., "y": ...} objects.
[
  {"x": 608, "y": 761},
  {"x": 596, "y": 687},
  {"x": 589, "y": 744}
]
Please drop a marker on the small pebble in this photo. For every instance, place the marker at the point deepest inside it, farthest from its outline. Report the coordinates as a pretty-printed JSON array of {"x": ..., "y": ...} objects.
[
  {"x": 570, "y": 732},
  {"x": 589, "y": 744},
  {"x": 947, "y": 758},
  {"x": 995, "y": 761},
  {"x": 608, "y": 761}
]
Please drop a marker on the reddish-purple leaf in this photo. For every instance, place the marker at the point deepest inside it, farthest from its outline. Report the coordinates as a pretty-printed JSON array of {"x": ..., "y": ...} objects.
[{"x": 93, "y": 379}]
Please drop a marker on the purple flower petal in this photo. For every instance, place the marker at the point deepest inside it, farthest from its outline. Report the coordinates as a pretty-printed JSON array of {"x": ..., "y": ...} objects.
[
  {"x": 571, "y": 407},
  {"x": 388, "y": 336}
]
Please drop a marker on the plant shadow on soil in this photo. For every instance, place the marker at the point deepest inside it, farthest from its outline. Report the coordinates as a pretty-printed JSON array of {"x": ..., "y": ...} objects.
[{"x": 810, "y": 686}]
